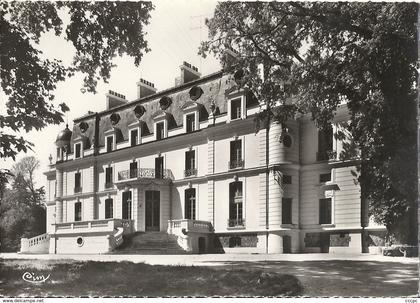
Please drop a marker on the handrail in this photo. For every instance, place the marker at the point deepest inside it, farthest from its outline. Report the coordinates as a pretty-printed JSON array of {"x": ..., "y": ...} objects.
[{"x": 38, "y": 239}]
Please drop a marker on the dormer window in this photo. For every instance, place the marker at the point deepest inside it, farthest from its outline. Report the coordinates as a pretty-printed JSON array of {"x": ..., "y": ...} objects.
[
  {"x": 161, "y": 121},
  {"x": 190, "y": 121},
  {"x": 78, "y": 150},
  {"x": 134, "y": 137},
  {"x": 237, "y": 106},
  {"x": 109, "y": 144},
  {"x": 191, "y": 116},
  {"x": 134, "y": 132},
  {"x": 160, "y": 130},
  {"x": 235, "y": 109}
]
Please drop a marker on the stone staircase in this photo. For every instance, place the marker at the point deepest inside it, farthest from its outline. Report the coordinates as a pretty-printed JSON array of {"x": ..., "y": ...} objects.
[{"x": 150, "y": 243}]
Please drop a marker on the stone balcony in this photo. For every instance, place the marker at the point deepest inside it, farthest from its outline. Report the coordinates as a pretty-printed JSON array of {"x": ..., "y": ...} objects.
[{"x": 144, "y": 174}]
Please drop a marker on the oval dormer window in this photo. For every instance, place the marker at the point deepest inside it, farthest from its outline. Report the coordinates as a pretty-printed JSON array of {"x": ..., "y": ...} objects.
[
  {"x": 139, "y": 111},
  {"x": 239, "y": 76},
  {"x": 165, "y": 102},
  {"x": 83, "y": 126},
  {"x": 195, "y": 92},
  {"x": 287, "y": 140},
  {"x": 115, "y": 118}
]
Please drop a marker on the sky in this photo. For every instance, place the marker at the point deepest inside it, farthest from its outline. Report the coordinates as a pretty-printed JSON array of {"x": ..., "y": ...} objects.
[{"x": 174, "y": 34}]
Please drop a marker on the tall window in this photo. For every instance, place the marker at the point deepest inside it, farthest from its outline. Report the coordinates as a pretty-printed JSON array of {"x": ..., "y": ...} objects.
[
  {"x": 126, "y": 205},
  {"x": 235, "y": 108},
  {"x": 134, "y": 135},
  {"x": 190, "y": 163},
  {"x": 78, "y": 211},
  {"x": 159, "y": 168},
  {"x": 109, "y": 208},
  {"x": 77, "y": 182},
  {"x": 190, "y": 120},
  {"x": 160, "y": 130},
  {"x": 325, "y": 211},
  {"x": 190, "y": 203},
  {"x": 78, "y": 150},
  {"x": 133, "y": 169},
  {"x": 236, "y": 154},
  {"x": 235, "y": 204},
  {"x": 108, "y": 177},
  {"x": 286, "y": 211},
  {"x": 109, "y": 143},
  {"x": 325, "y": 143}
]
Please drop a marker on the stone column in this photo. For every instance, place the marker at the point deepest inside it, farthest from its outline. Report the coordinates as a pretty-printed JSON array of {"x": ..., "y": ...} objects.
[{"x": 58, "y": 201}]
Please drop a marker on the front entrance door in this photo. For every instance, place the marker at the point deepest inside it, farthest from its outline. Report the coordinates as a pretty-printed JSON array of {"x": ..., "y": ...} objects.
[{"x": 152, "y": 210}]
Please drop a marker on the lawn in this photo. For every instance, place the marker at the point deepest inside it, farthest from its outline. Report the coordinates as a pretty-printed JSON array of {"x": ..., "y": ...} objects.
[{"x": 74, "y": 278}]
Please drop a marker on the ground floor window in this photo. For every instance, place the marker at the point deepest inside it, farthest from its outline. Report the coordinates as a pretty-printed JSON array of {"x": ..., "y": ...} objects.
[
  {"x": 109, "y": 207},
  {"x": 235, "y": 204},
  {"x": 325, "y": 211},
  {"x": 190, "y": 203}
]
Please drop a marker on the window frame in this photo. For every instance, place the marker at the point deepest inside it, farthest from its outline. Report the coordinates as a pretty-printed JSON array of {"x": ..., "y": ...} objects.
[
  {"x": 235, "y": 97},
  {"x": 324, "y": 219},
  {"x": 80, "y": 145},
  {"x": 109, "y": 182},
  {"x": 289, "y": 218},
  {"x": 78, "y": 177},
  {"x": 236, "y": 215},
  {"x": 137, "y": 142},
  {"x": 194, "y": 124},
  {"x": 109, "y": 208},
  {"x": 107, "y": 144},
  {"x": 78, "y": 211},
  {"x": 160, "y": 135},
  {"x": 190, "y": 212}
]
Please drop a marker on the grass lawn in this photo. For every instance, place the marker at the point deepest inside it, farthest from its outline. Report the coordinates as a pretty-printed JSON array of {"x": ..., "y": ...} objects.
[{"x": 73, "y": 278}]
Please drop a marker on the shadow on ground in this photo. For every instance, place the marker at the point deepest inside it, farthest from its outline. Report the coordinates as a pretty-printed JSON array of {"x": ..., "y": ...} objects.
[
  {"x": 89, "y": 278},
  {"x": 343, "y": 277}
]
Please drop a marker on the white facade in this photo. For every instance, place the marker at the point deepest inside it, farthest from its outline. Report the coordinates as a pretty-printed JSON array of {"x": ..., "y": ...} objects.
[{"x": 238, "y": 200}]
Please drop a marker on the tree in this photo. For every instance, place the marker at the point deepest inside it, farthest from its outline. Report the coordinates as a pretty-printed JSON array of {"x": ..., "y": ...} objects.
[
  {"x": 22, "y": 212},
  {"x": 326, "y": 53},
  {"x": 97, "y": 30}
]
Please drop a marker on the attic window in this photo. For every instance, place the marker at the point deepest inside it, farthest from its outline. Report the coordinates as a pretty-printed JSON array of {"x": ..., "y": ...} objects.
[
  {"x": 139, "y": 111},
  {"x": 115, "y": 118},
  {"x": 83, "y": 126},
  {"x": 165, "y": 102},
  {"x": 195, "y": 93},
  {"x": 238, "y": 76}
]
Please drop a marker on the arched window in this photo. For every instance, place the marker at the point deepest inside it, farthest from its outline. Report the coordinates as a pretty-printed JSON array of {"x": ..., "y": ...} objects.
[{"x": 190, "y": 203}]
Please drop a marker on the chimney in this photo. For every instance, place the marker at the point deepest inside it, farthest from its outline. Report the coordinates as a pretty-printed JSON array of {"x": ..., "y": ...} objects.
[
  {"x": 188, "y": 73},
  {"x": 145, "y": 88},
  {"x": 114, "y": 99}
]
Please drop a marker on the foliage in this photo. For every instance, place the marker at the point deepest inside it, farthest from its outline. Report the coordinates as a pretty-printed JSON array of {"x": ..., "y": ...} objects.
[
  {"x": 97, "y": 30},
  {"x": 363, "y": 54},
  {"x": 22, "y": 213}
]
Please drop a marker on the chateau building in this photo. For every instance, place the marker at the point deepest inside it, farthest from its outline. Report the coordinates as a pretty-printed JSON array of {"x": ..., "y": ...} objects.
[{"x": 188, "y": 161}]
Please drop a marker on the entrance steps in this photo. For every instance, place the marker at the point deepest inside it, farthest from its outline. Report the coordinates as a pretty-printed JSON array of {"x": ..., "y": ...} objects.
[{"x": 150, "y": 243}]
